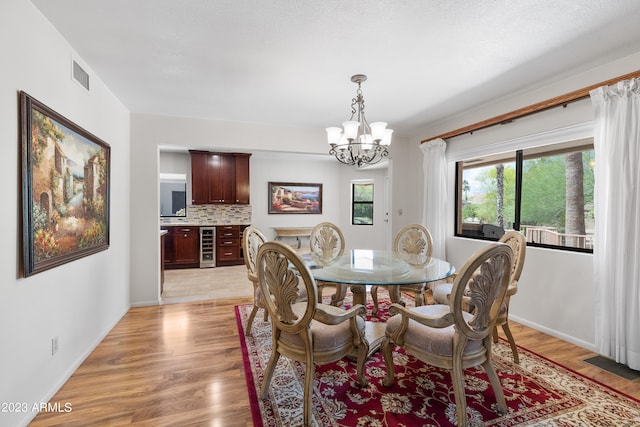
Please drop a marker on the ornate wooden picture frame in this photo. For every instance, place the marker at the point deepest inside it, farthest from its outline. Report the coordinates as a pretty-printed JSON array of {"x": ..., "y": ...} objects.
[{"x": 65, "y": 189}]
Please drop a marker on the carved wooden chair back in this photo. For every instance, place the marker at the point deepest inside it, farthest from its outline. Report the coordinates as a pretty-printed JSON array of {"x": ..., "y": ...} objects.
[
  {"x": 481, "y": 284},
  {"x": 305, "y": 331},
  {"x": 252, "y": 239},
  {"x": 518, "y": 245},
  {"x": 414, "y": 245},
  {"x": 450, "y": 337},
  {"x": 326, "y": 242}
]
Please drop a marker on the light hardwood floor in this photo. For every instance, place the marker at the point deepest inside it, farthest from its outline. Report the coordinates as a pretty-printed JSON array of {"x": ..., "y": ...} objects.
[{"x": 181, "y": 364}]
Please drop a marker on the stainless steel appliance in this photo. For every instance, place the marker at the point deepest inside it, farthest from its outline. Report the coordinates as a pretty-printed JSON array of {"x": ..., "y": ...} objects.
[{"x": 207, "y": 247}]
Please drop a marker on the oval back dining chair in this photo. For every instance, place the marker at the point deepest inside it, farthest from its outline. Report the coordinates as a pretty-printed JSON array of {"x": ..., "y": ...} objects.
[
  {"x": 306, "y": 331},
  {"x": 327, "y": 244},
  {"x": 448, "y": 336},
  {"x": 252, "y": 239},
  {"x": 414, "y": 245},
  {"x": 518, "y": 244}
]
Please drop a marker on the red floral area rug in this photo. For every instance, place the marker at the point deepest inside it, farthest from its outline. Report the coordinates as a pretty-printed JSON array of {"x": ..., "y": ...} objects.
[{"x": 538, "y": 391}]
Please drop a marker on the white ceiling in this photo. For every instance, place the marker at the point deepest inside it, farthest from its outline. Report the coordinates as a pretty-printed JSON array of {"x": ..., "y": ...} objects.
[{"x": 289, "y": 62}]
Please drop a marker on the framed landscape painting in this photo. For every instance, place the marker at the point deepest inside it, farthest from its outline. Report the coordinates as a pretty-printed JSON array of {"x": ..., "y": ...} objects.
[
  {"x": 65, "y": 189},
  {"x": 295, "y": 198}
]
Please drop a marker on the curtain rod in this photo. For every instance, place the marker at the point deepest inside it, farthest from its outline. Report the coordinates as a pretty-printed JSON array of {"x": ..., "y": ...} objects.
[{"x": 534, "y": 108}]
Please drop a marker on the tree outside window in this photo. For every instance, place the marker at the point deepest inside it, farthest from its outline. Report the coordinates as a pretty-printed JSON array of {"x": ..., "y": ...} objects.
[{"x": 362, "y": 204}]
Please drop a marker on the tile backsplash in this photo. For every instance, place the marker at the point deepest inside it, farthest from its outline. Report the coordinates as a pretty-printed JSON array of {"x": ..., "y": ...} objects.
[{"x": 212, "y": 215}]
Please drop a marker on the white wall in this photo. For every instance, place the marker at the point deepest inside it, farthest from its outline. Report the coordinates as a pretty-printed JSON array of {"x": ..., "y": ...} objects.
[
  {"x": 556, "y": 290},
  {"x": 283, "y": 167},
  {"x": 407, "y": 183},
  {"x": 82, "y": 300},
  {"x": 149, "y": 133}
]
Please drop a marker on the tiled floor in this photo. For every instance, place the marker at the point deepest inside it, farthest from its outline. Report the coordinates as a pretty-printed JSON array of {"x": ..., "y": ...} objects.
[{"x": 194, "y": 284}]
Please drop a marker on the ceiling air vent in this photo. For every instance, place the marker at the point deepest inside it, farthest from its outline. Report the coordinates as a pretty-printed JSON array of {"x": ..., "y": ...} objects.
[{"x": 80, "y": 75}]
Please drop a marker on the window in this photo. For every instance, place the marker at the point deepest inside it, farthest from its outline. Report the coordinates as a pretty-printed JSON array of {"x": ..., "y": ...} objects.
[
  {"x": 362, "y": 203},
  {"x": 545, "y": 192}
]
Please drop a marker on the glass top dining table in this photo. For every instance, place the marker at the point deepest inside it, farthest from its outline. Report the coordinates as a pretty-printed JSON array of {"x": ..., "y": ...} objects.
[{"x": 361, "y": 267}]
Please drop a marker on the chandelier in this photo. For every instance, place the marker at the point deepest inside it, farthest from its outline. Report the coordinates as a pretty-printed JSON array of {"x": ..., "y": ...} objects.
[{"x": 358, "y": 142}]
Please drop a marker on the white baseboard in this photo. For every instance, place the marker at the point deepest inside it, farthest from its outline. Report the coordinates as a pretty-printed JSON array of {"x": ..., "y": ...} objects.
[
  {"x": 573, "y": 340},
  {"x": 146, "y": 303},
  {"x": 29, "y": 416}
]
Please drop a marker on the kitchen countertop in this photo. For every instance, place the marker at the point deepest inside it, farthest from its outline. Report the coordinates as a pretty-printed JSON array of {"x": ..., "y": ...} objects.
[{"x": 199, "y": 224}]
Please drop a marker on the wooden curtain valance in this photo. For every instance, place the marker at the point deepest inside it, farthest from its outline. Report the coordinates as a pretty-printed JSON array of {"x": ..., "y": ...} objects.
[{"x": 534, "y": 108}]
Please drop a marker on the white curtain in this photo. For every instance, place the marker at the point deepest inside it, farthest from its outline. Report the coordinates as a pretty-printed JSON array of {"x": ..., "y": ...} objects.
[
  {"x": 616, "y": 251},
  {"x": 434, "y": 206}
]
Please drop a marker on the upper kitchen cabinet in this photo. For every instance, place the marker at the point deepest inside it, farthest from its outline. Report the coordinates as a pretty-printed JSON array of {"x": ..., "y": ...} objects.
[
  {"x": 242, "y": 179},
  {"x": 219, "y": 178}
]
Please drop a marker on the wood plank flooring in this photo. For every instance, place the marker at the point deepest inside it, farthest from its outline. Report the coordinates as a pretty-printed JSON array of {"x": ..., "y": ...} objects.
[
  {"x": 181, "y": 364},
  {"x": 174, "y": 364}
]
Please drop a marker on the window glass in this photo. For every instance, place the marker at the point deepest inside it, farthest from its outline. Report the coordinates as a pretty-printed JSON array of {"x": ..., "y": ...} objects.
[
  {"x": 362, "y": 204},
  {"x": 544, "y": 192},
  {"x": 488, "y": 198},
  {"x": 557, "y": 199}
]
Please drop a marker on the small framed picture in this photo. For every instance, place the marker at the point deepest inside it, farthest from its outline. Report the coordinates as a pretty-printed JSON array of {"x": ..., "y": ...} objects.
[{"x": 295, "y": 198}]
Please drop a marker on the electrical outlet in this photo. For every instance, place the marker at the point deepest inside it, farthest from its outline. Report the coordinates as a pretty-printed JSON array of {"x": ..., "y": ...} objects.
[{"x": 54, "y": 345}]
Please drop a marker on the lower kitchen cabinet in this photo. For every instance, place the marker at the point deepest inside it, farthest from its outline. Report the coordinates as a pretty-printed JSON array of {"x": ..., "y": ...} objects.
[
  {"x": 181, "y": 247},
  {"x": 229, "y": 245}
]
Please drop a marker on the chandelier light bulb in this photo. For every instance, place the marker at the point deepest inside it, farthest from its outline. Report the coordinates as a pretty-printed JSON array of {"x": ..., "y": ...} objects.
[
  {"x": 386, "y": 139},
  {"x": 334, "y": 134},
  {"x": 367, "y": 142},
  {"x": 377, "y": 130},
  {"x": 350, "y": 129}
]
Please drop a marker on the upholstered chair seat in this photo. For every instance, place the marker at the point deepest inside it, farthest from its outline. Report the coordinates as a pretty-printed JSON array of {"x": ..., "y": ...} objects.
[
  {"x": 437, "y": 341},
  {"x": 441, "y": 293},
  {"x": 326, "y": 338}
]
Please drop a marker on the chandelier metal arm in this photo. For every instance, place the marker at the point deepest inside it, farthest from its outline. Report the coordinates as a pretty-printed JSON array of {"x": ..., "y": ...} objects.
[{"x": 344, "y": 153}]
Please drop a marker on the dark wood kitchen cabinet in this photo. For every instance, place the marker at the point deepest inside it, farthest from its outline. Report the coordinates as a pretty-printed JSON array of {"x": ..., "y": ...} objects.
[
  {"x": 199, "y": 178},
  {"x": 219, "y": 178},
  {"x": 229, "y": 245},
  {"x": 181, "y": 247},
  {"x": 242, "y": 178}
]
